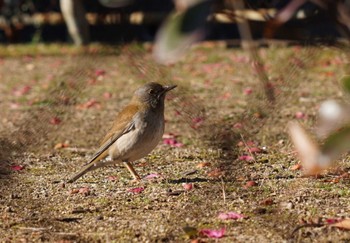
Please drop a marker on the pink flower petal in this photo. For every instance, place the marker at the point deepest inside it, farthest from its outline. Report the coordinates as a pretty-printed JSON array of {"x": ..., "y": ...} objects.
[
  {"x": 14, "y": 106},
  {"x": 250, "y": 143},
  {"x": 299, "y": 115},
  {"x": 230, "y": 215},
  {"x": 168, "y": 135},
  {"x": 238, "y": 125},
  {"x": 151, "y": 176},
  {"x": 246, "y": 158},
  {"x": 172, "y": 142},
  {"x": 107, "y": 95},
  {"x": 213, "y": 233},
  {"x": 84, "y": 190},
  {"x": 112, "y": 178},
  {"x": 254, "y": 150},
  {"x": 55, "y": 121},
  {"x": 196, "y": 122},
  {"x": 248, "y": 91},
  {"x": 225, "y": 96},
  {"x": 177, "y": 113},
  {"x": 22, "y": 91},
  {"x": 17, "y": 167},
  {"x": 187, "y": 186},
  {"x": 136, "y": 190},
  {"x": 100, "y": 72},
  {"x": 89, "y": 104},
  {"x": 332, "y": 221}
]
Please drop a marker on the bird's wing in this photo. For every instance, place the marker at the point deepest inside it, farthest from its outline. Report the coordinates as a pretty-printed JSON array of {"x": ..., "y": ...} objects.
[
  {"x": 123, "y": 124},
  {"x": 110, "y": 141}
]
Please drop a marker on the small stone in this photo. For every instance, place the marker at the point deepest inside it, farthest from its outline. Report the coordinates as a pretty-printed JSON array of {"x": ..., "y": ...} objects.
[
  {"x": 287, "y": 205},
  {"x": 8, "y": 210}
]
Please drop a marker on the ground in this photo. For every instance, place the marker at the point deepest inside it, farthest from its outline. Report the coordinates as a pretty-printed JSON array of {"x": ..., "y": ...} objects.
[{"x": 57, "y": 104}]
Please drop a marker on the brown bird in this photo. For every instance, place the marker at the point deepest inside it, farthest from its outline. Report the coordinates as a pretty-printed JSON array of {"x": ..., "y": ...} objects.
[{"x": 137, "y": 130}]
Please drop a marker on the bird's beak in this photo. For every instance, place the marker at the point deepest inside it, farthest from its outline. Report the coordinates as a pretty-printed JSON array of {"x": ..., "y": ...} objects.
[{"x": 168, "y": 88}]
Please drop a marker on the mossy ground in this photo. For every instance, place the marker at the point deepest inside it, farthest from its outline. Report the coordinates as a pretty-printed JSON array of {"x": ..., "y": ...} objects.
[{"x": 72, "y": 98}]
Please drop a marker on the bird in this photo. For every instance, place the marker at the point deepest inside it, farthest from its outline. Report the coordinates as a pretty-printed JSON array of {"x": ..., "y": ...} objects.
[{"x": 136, "y": 131}]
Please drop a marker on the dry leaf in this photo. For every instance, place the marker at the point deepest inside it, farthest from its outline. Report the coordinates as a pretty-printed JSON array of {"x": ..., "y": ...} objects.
[
  {"x": 61, "y": 145},
  {"x": 203, "y": 164},
  {"x": 215, "y": 173},
  {"x": 296, "y": 167},
  {"x": 250, "y": 184}
]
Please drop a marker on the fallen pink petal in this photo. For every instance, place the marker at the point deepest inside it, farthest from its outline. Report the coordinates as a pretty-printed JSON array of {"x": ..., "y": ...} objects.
[
  {"x": 92, "y": 103},
  {"x": 226, "y": 96},
  {"x": 248, "y": 91},
  {"x": 84, "y": 190},
  {"x": 14, "y": 106},
  {"x": 238, "y": 125},
  {"x": 246, "y": 158},
  {"x": 196, "y": 122},
  {"x": 22, "y": 91},
  {"x": 172, "y": 142},
  {"x": 152, "y": 176},
  {"x": 187, "y": 186},
  {"x": 136, "y": 190},
  {"x": 300, "y": 115},
  {"x": 230, "y": 215},
  {"x": 17, "y": 167},
  {"x": 55, "y": 121},
  {"x": 254, "y": 150},
  {"x": 177, "y": 113},
  {"x": 332, "y": 221},
  {"x": 213, "y": 233},
  {"x": 168, "y": 135},
  {"x": 100, "y": 72},
  {"x": 107, "y": 95},
  {"x": 112, "y": 178}
]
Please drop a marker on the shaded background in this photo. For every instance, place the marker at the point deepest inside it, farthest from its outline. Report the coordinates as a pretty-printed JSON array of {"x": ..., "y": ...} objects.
[{"x": 41, "y": 21}]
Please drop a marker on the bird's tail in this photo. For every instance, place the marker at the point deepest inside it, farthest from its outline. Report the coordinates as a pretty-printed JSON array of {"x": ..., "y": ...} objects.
[{"x": 91, "y": 165}]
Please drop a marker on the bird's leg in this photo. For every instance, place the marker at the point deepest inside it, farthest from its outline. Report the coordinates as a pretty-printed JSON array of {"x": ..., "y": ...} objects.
[{"x": 132, "y": 170}]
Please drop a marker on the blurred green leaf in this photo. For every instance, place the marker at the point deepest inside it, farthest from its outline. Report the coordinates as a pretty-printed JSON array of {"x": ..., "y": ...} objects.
[
  {"x": 345, "y": 81},
  {"x": 337, "y": 143},
  {"x": 181, "y": 30},
  {"x": 115, "y": 3}
]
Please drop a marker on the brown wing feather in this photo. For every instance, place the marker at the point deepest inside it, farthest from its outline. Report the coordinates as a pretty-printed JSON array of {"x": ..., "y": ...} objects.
[{"x": 122, "y": 120}]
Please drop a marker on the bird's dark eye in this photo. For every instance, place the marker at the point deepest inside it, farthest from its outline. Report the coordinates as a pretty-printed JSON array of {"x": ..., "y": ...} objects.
[{"x": 151, "y": 91}]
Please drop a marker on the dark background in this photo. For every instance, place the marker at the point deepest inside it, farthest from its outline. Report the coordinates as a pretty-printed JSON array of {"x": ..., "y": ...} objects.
[{"x": 315, "y": 27}]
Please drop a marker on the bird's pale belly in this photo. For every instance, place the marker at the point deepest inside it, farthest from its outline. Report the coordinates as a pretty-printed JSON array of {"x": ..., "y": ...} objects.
[{"x": 137, "y": 143}]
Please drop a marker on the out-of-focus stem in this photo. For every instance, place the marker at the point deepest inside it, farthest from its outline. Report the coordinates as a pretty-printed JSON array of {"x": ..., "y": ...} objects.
[{"x": 250, "y": 46}]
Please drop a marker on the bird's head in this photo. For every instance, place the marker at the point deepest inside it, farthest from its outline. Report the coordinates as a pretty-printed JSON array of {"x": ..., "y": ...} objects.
[{"x": 152, "y": 94}]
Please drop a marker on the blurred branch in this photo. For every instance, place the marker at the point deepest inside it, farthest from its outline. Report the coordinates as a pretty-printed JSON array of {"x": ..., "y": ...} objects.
[{"x": 250, "y": 46}]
